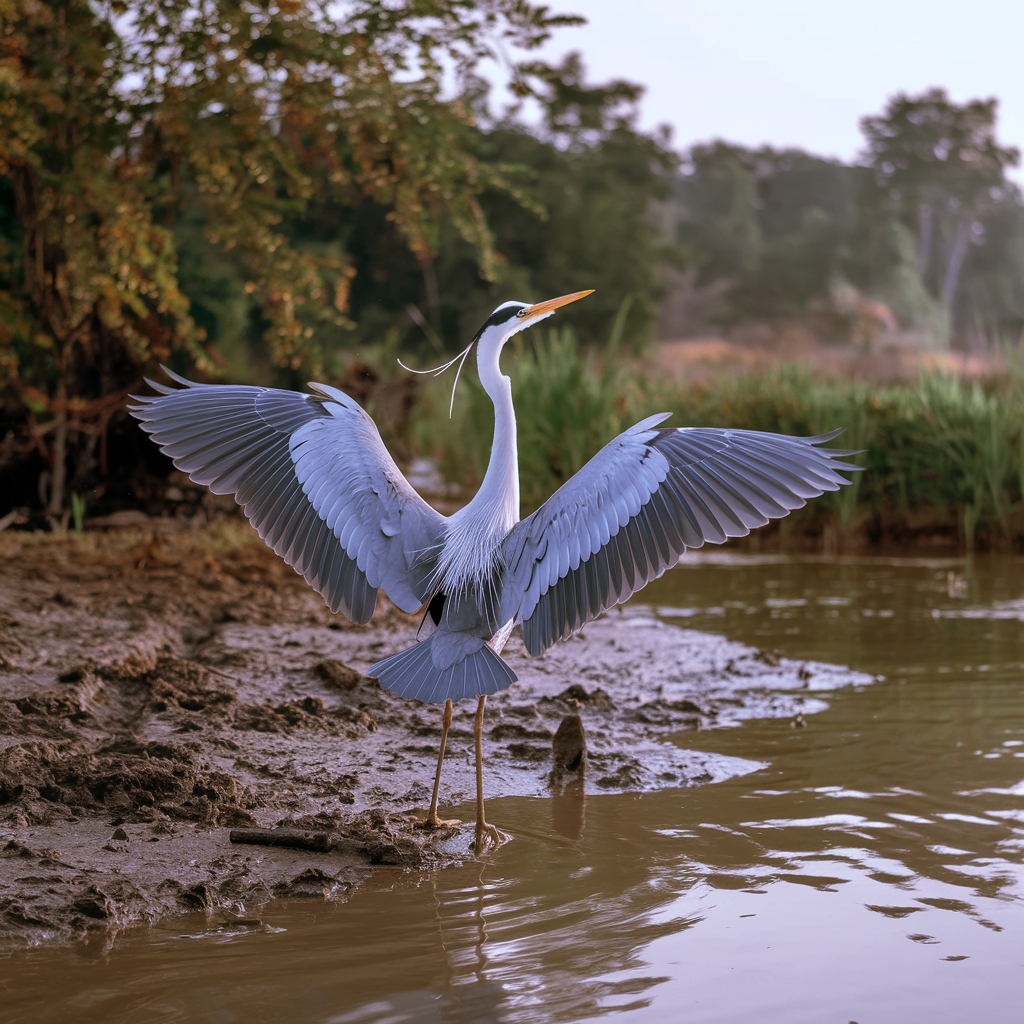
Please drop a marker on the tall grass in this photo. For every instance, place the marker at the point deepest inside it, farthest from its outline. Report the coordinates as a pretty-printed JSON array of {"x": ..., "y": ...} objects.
[
  {"x": 940, "y": 449},
  {"x": 940, "y": 453}
]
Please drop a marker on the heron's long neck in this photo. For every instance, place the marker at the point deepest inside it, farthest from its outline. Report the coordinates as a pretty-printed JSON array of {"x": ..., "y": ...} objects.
[{"x": 499, "y": 492}]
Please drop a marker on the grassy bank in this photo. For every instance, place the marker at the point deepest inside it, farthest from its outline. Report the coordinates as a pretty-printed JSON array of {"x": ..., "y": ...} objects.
[{"x": 943, "y": 457}]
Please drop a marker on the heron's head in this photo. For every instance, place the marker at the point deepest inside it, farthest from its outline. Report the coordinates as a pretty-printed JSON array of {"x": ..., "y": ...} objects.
[
  {"x": 512, "y": 317},
  {"x": 507, "y": 320}
]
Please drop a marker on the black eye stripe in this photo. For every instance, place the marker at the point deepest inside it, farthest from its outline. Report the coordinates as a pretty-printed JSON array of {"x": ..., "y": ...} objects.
[
  {"x": 508, "y": 314},
  {"x": 502, "y": 316}
]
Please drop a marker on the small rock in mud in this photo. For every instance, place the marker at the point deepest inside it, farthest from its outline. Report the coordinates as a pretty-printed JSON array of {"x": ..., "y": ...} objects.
[
  {"x": 569, "y": 747},
  {"x": 597, "y": 699},
  {"x": 529, "y": 752},
  {"x": 338, "y": 674},
  {"x": 515, "y": 731}
]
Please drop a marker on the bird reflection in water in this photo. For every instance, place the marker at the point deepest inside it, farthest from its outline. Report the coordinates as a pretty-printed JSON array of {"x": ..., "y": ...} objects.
[{"x": 469, "y": 996}]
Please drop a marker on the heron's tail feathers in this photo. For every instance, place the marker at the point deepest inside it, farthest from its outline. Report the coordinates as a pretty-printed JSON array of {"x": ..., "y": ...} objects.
[{"x": 412, "y": 673}]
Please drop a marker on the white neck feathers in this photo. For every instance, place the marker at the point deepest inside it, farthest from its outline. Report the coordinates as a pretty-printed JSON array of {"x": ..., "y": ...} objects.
[{"x": 476, "y": 531}]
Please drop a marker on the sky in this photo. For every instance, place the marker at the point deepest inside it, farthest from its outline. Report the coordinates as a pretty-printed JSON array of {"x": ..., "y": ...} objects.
[{"x": 799, "y": 72}]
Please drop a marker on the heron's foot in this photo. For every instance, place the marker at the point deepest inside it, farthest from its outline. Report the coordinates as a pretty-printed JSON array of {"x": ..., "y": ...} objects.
[
  {"x": 489, "y": 838},
  {"x": 432, "y": 822}
]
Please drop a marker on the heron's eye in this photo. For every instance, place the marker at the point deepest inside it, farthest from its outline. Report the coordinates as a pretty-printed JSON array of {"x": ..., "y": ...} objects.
[{"x": 521, "y": 313}]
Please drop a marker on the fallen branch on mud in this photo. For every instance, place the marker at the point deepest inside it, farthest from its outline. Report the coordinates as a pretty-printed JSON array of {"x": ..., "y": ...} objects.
[{"x": 321, "y": 842}]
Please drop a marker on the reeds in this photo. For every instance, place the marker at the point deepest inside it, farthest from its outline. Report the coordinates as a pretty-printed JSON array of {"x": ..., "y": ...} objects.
[{"x": 942, "y": 454}]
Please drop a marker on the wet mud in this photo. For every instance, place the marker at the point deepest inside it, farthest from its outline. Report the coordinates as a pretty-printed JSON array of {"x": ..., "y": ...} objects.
[{"x": 159, "y": 692}]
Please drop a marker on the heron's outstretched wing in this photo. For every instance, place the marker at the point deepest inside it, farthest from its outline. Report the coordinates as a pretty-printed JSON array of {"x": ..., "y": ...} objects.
[
  {"x": 631, "y": 512},
  {"x": 313, "y": 477}
]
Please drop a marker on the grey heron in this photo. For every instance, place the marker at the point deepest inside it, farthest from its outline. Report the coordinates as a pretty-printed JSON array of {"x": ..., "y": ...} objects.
[{"x": 314, "y": 478}]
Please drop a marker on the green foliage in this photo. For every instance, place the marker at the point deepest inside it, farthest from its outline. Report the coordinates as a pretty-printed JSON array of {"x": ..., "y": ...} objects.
[
  {"x": 152, "y": 153},
  {"x": 589, "y": 178},
  {"x": 78, "y": 505},
  {"x": 947, "y": 447},
  {"x": 252, "y": 111},
  {"x": 947, "y": 451},
  {"x": 977, "y": 435}
]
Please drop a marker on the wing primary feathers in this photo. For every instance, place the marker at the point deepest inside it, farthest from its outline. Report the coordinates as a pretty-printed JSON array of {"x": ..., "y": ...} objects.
[
  {"x": 237, "y": 439},
  {"x": 639, "y": 504}
]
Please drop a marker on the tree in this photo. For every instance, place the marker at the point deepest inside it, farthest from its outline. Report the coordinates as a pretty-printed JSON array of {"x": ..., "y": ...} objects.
[
  {"x": 120, "y": 120},
  {"x": 943, "y": 172},
  {"x": 596, "y": 179},
  {"x": 772, "y": 224},
  {"x": 92, "y": 279},
  {"x": 718, "y": 211},
  {"x": 586, "y": 181}
]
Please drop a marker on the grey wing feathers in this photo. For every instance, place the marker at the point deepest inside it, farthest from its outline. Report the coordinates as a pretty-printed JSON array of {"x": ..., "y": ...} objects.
[
  {"x": 632, "y": 511},
  {"x": 313, "y": 477}
]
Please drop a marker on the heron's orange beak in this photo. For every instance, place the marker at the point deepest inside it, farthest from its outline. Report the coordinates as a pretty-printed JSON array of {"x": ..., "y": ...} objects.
[{"x": 550, "y": 305}]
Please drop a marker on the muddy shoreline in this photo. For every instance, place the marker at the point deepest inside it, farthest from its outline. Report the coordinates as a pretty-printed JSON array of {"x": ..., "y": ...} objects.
[{"x": 157, "y": 692}]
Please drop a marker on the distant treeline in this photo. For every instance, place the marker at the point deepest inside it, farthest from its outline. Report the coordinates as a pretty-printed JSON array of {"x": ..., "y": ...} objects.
[{"x": 926, "y": 236}]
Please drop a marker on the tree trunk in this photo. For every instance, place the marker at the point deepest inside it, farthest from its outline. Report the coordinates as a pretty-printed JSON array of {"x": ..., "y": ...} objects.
[
  {"x": 955, "y": 265},
  {"x": 925, "y": 223},
  {"x": 432, "y": 292},
  {"x": 60, "y": 445}
]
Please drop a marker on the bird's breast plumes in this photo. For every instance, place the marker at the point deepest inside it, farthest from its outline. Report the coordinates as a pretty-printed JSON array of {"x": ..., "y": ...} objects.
[{"x": 469, "y": 557}]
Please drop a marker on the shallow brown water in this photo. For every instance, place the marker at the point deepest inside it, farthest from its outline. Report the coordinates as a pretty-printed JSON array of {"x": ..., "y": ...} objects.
[{"x": 871, "y": 871}]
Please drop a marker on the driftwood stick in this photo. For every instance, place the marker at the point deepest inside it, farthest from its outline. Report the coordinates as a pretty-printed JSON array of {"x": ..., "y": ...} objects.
[
  {"x": 218, "y": 672},
  {"x": 321, "y": 842}
]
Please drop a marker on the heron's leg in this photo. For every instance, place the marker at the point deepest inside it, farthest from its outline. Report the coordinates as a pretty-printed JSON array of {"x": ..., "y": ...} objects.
[
  {"x": 478, "y": 732},
  {"x": 432, "y": 820},
  {"x": 445, "y": 726},
  {"x": 486, "y": 835}
]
